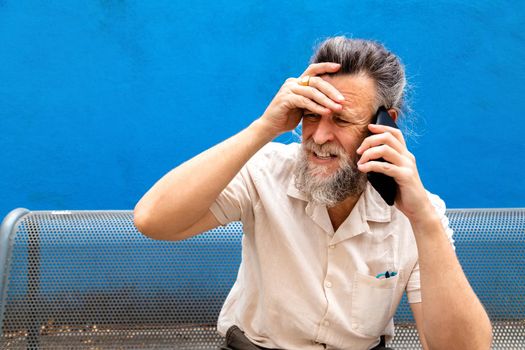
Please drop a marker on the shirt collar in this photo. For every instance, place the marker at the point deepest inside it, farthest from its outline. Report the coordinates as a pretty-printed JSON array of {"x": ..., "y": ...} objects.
[
  {"x": 369, "y": 208},
  {"x": 375, "y": 208},
  {"x": 294, "y": 192}
]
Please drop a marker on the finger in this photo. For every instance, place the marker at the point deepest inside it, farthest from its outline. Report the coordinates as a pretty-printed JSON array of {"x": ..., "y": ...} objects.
[
  {"x": 385, "y": 138},
  {"x": 380, "y": 167},
  {"x": 377, "y": 128},
  {"x": 306, "y": 103},
  {"x": 383, "y": 151},
  {"x": 327, "y": 89},
  {"x": 316, "y": 95},
  {"x": 321, "y": 68}
]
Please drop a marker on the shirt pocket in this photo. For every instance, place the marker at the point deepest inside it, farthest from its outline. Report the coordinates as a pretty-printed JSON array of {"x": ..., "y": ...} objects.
[{"x": 372, "y": 300}]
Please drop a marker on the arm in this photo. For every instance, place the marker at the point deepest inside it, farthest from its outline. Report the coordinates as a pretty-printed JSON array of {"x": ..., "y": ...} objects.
[
  {"x": 450, "y": 316},
  {"x": 177, "y": 206},
  {"x": 417, "y": 311}
]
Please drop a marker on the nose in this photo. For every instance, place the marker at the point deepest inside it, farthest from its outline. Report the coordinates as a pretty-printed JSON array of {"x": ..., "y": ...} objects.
[{"x": 323, "y": 132}]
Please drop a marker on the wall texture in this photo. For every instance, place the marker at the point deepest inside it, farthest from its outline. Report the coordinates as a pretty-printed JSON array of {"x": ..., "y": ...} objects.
[{"x": 98, "y": 99}]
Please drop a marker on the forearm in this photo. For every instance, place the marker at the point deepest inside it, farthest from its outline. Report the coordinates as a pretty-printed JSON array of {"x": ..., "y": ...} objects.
[
  {"x": 452, "y": 314},
  {"x": 185, "y": 194}
]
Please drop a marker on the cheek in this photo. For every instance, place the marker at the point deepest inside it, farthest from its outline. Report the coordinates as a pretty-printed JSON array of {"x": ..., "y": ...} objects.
[
  {"x": 306, "y": 131},
  {"x": 351, "y": 141}
]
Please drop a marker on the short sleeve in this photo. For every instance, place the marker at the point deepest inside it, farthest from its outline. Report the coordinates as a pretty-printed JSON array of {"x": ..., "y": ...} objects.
[
  {"x": 235, "y": 202},
  {"x": 413, "y": 288},
  {"x": 441, "y": 208}
]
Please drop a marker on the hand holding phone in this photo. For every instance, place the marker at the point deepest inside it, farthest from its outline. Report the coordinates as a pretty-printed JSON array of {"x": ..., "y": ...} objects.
[{"x": 385, "y": 185}]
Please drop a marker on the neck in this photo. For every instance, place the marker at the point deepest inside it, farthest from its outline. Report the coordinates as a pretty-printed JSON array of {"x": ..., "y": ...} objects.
[{"x": 340, "y": 211}]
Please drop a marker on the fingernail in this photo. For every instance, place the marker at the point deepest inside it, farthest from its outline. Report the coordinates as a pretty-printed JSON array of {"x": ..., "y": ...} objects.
[{"x": 340, "y": 97}]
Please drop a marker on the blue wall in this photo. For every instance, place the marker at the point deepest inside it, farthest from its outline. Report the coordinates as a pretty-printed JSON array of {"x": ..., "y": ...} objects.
[{"x": 98, "y": 99}]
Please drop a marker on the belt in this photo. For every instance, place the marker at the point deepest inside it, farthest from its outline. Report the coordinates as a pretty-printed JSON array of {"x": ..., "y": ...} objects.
[{"x": 236, "y": 340}]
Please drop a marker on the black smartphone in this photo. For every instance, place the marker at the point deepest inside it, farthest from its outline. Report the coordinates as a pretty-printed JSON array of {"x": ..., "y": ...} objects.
[{"x": 385, "y": 185}]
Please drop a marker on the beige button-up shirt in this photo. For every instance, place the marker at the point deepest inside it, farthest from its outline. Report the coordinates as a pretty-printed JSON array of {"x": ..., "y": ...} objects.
[{"x": 300, "y": 284}]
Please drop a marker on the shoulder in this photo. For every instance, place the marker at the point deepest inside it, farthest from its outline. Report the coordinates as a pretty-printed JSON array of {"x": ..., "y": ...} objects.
[
  {"x": 441, "y": 209},
  {"x": 275, "y": 154},
  {"x": 437, "y": 202},
  {"x": 278, "y": 151},
  {"x": 274, "y": 163}
]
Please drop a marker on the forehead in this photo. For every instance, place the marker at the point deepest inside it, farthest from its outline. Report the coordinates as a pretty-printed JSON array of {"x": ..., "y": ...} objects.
[{"x": 359, "y": 92}]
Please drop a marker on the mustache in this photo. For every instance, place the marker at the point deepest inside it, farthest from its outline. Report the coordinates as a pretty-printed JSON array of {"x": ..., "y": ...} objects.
[{"x": 329, "y": 147}]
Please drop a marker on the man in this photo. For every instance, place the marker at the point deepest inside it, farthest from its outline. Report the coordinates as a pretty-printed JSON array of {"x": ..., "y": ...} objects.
[{"x": 325, "y": 260}]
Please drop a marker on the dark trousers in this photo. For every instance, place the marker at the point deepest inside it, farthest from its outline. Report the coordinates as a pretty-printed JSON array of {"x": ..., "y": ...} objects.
[{"x": 236, "y": 340}]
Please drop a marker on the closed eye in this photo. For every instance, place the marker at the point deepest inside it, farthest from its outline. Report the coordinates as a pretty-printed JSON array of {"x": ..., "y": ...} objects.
[
  {"x": 341, "y": 121},
  {"x": 311, "y": 116}
]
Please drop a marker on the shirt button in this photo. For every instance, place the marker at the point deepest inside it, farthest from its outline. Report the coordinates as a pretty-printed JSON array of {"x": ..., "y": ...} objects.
[
  {"x": 328, "y": 284},
  {"x": 326, "y": 323}
]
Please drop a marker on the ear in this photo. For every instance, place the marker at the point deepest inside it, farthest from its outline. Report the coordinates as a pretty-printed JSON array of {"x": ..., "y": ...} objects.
[{"x": 393, "y": 113}]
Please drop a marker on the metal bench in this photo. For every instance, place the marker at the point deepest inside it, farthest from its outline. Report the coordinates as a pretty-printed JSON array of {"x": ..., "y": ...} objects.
[{"x": 89, "y": 280}]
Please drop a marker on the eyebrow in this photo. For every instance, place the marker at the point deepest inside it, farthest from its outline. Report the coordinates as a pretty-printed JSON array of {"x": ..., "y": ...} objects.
[{"x": 348, "y": 114}]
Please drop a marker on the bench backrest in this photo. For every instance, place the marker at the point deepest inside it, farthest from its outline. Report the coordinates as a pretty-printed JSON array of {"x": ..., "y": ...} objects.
[{"x": 88, "y": 279}]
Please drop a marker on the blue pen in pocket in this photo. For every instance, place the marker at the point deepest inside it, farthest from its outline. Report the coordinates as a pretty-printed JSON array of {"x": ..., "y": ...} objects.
[{"x": 386, "y": 274}]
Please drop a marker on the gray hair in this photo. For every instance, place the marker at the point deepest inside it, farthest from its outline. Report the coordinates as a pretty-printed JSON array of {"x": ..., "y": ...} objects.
[{"x": 358, "y": 56}]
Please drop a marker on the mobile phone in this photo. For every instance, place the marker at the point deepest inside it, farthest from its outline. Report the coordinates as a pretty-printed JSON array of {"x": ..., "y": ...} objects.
[{"x": 385, "y": 185}]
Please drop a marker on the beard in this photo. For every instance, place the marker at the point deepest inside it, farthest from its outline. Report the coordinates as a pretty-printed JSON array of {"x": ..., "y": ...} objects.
[{"x": 324, "y": 188}]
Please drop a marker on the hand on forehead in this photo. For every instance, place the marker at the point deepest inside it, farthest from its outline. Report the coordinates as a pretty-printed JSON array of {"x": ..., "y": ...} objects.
[{"x": 359, "y": 92}]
